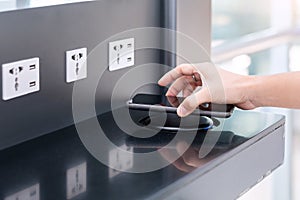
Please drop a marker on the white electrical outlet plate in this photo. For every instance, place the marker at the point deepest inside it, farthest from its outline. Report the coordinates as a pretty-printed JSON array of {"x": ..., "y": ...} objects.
[
  {"x": 76, "y": 65},
  {"x": 117, "y": 161},
  {"x": 121, "y": 54},
  {"x": 20, "y": 78},
  {"x": 76, "y": 180},
  {"x": 30, "y": 193}
]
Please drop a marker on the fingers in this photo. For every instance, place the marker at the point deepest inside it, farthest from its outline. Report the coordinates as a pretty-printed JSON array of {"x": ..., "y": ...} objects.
[
  {"x": 207, "y": 68},
  {"x": 169, "y": 78},
  {"x": 187, "y": 92},
  {"x": 186, "y": 78},
  {"x": 179, "y": 85},
  {"x": 193, "y": 101},
  {"x": 173, "y": 101},
  {"x": 181, "y": 70}
]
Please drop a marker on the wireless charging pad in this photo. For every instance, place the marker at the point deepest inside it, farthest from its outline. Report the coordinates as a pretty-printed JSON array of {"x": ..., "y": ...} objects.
[{"x": 173, "y": 123}]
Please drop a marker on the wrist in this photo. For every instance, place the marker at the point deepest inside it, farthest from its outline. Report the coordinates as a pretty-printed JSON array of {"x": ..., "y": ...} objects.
[{"x": 254, "y": 90}]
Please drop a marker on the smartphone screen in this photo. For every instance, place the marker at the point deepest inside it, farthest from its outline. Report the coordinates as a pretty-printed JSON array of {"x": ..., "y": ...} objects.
[{"x": 170, "y": 104}]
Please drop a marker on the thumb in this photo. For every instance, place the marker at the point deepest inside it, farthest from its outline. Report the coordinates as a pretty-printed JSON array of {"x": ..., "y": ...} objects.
[{"x": 192, "y": 102}]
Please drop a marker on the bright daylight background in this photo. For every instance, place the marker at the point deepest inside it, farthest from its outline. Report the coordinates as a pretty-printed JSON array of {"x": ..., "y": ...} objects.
[{"x": 260, "y": 37}]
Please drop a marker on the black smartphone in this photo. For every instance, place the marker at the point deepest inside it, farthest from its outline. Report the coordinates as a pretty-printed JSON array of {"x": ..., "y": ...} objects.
[{"x": 162, "y": 103}]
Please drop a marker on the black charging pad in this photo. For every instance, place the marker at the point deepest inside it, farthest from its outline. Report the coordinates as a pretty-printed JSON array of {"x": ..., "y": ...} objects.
[{"x": 172, "y": 123}]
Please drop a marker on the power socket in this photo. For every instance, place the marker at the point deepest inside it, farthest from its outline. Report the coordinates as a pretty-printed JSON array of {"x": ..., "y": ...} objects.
[
  {"x": 121, "y": 54},
  {"x": 76, "y": 180},
  {"x": 30, "y": 193},
  {"x": 116, "y": 160},
  {"x": 20, "y": 78},
  {"x": 76, "y": 65}
]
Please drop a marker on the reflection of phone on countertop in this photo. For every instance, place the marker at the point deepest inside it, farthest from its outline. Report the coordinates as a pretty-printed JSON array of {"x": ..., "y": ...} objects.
[
  {"x": 226, "y": 140},
  {"x": 162, "y": 103}
]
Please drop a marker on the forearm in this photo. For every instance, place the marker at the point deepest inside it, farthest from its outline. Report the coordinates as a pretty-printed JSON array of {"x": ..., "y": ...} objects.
[{"x": 281, "y": 90}]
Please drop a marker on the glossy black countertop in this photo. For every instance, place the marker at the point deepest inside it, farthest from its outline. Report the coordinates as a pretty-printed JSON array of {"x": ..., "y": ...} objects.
[{"x": 58, "y": 166}]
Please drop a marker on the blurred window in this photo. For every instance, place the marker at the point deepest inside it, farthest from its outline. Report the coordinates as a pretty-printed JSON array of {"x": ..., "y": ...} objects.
[
  {"x": 235, "y": 18},
  {"x": 260, "y": 37}
]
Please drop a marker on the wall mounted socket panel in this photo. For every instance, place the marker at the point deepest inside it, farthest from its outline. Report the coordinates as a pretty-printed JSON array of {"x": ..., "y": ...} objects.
[
  {"x": 119, "y": 161},
  {"x": 20, "y": 78},
  {"x": 76, "y": 180},
  {"x": 121, "y": 54},
  {"x": 76, "y": 65}
]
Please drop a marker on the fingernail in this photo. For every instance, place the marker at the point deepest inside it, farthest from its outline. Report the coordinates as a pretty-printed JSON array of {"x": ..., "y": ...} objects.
[
  {"x": 169, "y": 93},
  {"x": 182, "y": 111},
  {"x": 160, "y": 82}
]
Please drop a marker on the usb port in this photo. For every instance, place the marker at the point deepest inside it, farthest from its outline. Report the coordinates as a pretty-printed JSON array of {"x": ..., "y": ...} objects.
[
  {"x": 32, "y": 67},
  {"x": 32, "y": 84},
  {"x": 129, "y": 59},
  {"x": 129, "y": 45}
]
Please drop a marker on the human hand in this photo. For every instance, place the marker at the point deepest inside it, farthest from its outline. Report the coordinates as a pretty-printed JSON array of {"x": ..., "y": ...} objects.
[{"x": 217, "y": 86}]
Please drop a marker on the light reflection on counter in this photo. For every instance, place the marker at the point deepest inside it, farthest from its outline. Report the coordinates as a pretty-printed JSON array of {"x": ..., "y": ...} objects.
[
  {"x": 76, "y": 180},
  {"x": 30, "y": 193}
]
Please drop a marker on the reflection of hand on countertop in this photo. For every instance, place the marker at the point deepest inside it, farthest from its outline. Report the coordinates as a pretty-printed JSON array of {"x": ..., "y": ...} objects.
[
  {"x": 189, "y": 154},
  {"x": 184, "y": 155},
  {"x": 189, "y": 159}
]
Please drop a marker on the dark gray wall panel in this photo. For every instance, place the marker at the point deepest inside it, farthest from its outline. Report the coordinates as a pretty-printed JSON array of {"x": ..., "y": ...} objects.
[
  {"x": 47, "y": 33},
  {"x": 50, "y": 31}
]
